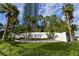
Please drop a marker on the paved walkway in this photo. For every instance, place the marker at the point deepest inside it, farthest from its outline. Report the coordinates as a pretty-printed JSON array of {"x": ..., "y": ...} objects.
[{"x": 36, "y": 41}]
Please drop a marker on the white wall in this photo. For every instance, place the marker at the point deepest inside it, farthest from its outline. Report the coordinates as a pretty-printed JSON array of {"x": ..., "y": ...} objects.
[
  {"x": 37, "y": 35},
  {"x": 57, "y": 36},
  {"x": 32, "y": 35},
  {"x": 61, "y": 37}
]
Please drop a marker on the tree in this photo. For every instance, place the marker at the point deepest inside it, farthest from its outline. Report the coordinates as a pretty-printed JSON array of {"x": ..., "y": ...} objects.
[
  {"x": 13, "y": 23},
  {"x": 1, "y": 25},
  {"x": 63, "y": 27},
  {"x": 27, "y": 22},
  {"x": 40, "y": 17},
  {"x": 73, "y": 28},
  {"x": 68, "y": 12},
  {"x": 26, "y": 18},
  {"x": 1, "y": 31},
  {"x": 10, "y": 11},
  {"x": 46, "y": 23},
  {"x": 19, "y": 29},
  {"x": 54, "y": 23},
  {"x": 33, "y": 23}
]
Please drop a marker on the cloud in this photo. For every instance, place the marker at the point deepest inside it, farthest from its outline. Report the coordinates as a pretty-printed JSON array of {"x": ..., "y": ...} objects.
[
  {"x": 51, "y": 8},
  {"x": 76, "y": 12},
  {"x": 47, "y": 9},
  {"x": 20, "y": 8}
]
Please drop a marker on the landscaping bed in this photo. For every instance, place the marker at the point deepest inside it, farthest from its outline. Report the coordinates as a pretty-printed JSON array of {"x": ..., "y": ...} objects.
[{"x": 39, "y": 49}]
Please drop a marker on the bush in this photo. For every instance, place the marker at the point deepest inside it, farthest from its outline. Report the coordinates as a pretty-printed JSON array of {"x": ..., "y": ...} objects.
[
  {"x": 7, "y": 49},
  {"x": 39, "y": 38},
  {"x": 39, "y": 49}
]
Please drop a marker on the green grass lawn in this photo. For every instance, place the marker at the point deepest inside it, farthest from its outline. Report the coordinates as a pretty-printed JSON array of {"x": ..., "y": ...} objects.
[{"x": 39, "y": 49}]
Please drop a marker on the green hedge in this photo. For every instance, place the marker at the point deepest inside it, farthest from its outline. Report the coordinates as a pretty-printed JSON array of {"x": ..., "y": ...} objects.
[
  {"x": 39, "y": 38},
  {"x": 39, "y": 49}
]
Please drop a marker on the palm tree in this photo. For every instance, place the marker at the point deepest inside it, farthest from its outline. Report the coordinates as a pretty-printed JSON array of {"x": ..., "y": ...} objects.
[
  {"x": 33, "y": 23},
  {"x": 13, "y": 22},
  {"x": 9, "y": 10},
  {"x": 41, "y": 18},
  {"x": 68, "y": 12},
  {"x": 26, "y": 18},
  {"x": 1, "y": 25},
  {"x": 46, "y": 23},
  {"x": 27, "y": 21}
]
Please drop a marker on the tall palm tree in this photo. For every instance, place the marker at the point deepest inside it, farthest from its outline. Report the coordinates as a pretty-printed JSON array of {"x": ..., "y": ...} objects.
[
  {"x": 68, "y": 12},
  {"x": 26, "y": 18},
  {"x": 33, "y": 23},
  {"x": 41, "y": 18},
  {"x": 13, "y": 22},
  {"x": 27, "y": 21},
  {"x": 46, "y": 23},
  {"x": 9, "y": 10}
]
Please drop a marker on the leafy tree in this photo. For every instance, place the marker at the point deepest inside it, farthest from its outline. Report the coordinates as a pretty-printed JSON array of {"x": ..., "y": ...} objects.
[
  {"x": 57, "y": 25},
  {"x": 19, "y": 29},
  {"x": 54, "y": 23},
  {"x": 63, "y": 27}
]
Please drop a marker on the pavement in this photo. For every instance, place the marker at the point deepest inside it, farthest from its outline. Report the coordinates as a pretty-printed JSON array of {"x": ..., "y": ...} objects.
[{"x": 36, "y": 41}]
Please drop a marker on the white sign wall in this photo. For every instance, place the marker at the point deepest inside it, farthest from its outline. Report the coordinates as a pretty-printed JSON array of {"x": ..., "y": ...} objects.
[
  {"x": 37, "y": 35},
  {"x": 57, "y": 36},
  {"x": 61, "y": 37}
]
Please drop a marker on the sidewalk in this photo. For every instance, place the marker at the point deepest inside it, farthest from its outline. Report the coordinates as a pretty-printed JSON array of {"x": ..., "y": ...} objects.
[{"x": 36, "y": 41}]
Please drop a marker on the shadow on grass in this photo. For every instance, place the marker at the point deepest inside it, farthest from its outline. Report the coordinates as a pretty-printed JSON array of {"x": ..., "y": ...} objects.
[
  {"x": 47, "y": 46},
  {"x": 52, "y": 49},
  {"x": 55, "y": 46}
]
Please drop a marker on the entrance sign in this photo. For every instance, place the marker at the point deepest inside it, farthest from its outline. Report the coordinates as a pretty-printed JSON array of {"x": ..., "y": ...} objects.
[
  {"x": 57, "y": 36},
  {"x": 61, "y": 36},
  {"x": 37, "y": 35}
]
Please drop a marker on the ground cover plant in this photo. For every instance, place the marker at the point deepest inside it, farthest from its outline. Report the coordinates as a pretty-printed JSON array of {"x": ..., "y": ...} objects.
[{"x": 39, "y": 49}]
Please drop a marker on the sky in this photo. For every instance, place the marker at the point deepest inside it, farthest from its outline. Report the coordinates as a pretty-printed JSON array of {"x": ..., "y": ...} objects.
[
  {"x": 20, "y": 8},
  {"x": 46, "y": 9},
  {"x": 56, "y": 8}
]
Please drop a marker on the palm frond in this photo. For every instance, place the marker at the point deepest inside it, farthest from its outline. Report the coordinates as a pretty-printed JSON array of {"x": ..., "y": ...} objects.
[{"x": 3, "y": 8}]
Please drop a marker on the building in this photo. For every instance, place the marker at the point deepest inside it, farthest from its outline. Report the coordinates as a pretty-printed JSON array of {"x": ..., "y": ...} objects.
[{"x": 31, "y": 9}]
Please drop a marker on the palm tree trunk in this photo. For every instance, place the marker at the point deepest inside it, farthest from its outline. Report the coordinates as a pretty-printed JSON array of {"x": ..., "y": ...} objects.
[
  {"x": 70, "y": 32},
  {"x": 5, "y": 35},
  {"x": 10, "y": 32}
]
